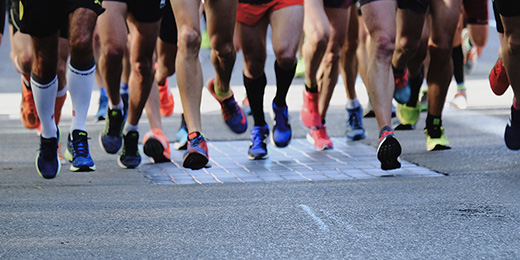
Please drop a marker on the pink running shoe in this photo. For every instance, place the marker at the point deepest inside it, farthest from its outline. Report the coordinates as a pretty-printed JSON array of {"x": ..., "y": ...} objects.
[
  {"x": 319, "y": 138},
  {"x": 309, "y": 114}
]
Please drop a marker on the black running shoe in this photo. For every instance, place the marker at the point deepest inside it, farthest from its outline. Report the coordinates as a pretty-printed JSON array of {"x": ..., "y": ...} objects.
[
  {"x": 47, "y": 161},
  {"x": 512, "y": 133},
  {"x": 129, "y": 156},
  {"x": 388, "y": 149},
  {"x": 111, "y": 137}
]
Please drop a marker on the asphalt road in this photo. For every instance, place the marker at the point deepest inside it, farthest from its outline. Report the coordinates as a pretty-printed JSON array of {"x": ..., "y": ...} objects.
[{"x": 470, "y": 213}]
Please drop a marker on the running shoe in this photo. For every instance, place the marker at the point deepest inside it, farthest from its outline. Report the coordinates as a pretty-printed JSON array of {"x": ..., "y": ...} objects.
[
  {"x": 355, "y": 130},
  {"x": 111, "y": 137},
  {"x": 402, "y": 90},
  {"x": 166, "y": 100},
  {"x": 498, "y": 79},
  {"x": 233, "y": 115},
  {"x": 423, "y": 99},
  {"x": 246, "y": 106},
  {"x": 103, "y": 105},
  {"x": 28, "y": 111},
  {"x": 204, "y": 41},
  {"x": 181, "y": 138},
  {"x": 512, "y": 133},
  {"x": 470, "y": 63},
  {"x": 63, "y": 161},
  {"x": 408, "y": 116},
  {"x": 156, "y": 145},
  {"x": 310, "y": 114},
  {"x": 300, "y": 68},
  {"x": 258, "y": 148},
  {"x": 460, "y": 100},
  {"x": 197, "y": 155},
  {"x": 282, "y": 133},
  {"x": 47, "y": 161},
  {"x": 78, "y": 153},
  {"x": 436, "y": 138},
  {"x": 319, "y": 138},
  {"x": 129, "y": 156},
  {"x": 388, "y": 149},
  {"x": 368, "y": 111}
]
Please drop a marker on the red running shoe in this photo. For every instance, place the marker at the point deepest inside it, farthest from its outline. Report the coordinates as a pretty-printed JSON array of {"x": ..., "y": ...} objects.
[
  {"x": 28, "y": 112},
  {"x": 310, "y": 114},
  {"x": 166, "y": 98},
  {"x": 498, "y": 79}
]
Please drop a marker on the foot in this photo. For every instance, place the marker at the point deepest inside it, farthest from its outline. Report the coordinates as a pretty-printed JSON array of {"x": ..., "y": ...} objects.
[
  {"x": 319, "y": 138},
  {"x": 156, "y": 145},
  {"x": 408, "y": 116},
  {"x": 111, "y": 137},
  {"x": 166, "y": 100},
  {"x": 402, "y": 91},
  {"x": 460, "y": 100},
  {"x": 78, "y": 152},
  {"x": 436, "y": 139},
  {"x": 246, "y": 107},
  {"x": 512, "y": 133},
  {"x": 28, "y": 112},
  {"x": 309, "y": 114},
  {"x": 181, "y": 138},
  {"x": 103, "y": 106},
  {"x": 258, "y": 148},
  {"x": 388, "y": 150},
  {"x": 129, "y": 156},
  {"x": 47, "y": 162},
  {"x": 498, "y": 79},
  {"x": 282, "y": 133},
  {"x": 197, "y": 155},
  {"x": 233, "y": 115},
  {"x": 355, "y": 130}
]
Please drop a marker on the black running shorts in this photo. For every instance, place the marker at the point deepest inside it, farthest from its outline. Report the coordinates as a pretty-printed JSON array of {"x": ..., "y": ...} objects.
[
  {"x": 508, "y": 8},
  {"x": 418, "y": 6},
  {"x": 41, "y": 18},
  {"x": 168, "y": 31},
  {"x": 145, "y": 11}
]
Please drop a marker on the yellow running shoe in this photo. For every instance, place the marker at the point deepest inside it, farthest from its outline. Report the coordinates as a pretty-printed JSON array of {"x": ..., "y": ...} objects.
[
  {"x": 300, "y": 68},
  {"x": 436, "y": 139},
  {"x": 408, "y": 116}
]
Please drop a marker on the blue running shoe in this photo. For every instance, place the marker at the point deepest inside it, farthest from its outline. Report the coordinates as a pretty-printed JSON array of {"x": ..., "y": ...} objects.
[
  {"x": 129, "y": 156},
  {"x": 282, "y": 133},
  {"x": 402, "y": 91},
  {"x": 355, "y": 130},
  {"x": 197, "y": 155},
  {"x": 78, "y": 153},
  {"x": 233, "y": 115},
  {"x": 47, "y": 161},
  {"x": 103, "y": 105},
  {"x": 181, "y": 138},
  {"x": 512, "y": 133},
  {"x": 258, "y": 147},
  {"x": 111, "y": 136}
]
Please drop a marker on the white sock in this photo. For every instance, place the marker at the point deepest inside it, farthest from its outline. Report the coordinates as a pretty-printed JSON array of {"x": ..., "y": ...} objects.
[
  {"x": 352, "y": 103},
  {"x": 118, "y": 106},
  {"x": 80, "y": 84},
  {"x": 44, "y": 99},
  {"x": 62, "y": 92},
  {"x": 129, "y": 127}
]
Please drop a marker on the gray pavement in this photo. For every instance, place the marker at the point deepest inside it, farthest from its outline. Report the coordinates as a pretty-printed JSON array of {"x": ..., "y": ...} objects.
[{"x": 298, "y": 204}]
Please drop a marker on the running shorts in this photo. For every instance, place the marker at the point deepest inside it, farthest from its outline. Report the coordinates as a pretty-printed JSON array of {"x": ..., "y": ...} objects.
[
  {"x": 13, "y": 16},
  {"x": 418, "y": 6},
  {"x": 168, "y": 31},
  {"x": 145, "y": 11},
  {"x": 338, "y": 3},
  {"x": 475, "y": 11},
  {"x": 500, "y": 26},
  {"x": 41, "y": 18},
  {"x": 508, "y": 8},
  {"x": 251, "y": 14}
]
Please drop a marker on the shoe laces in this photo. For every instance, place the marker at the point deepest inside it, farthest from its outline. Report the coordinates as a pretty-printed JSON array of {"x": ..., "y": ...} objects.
[
  {"x": 48, "y": 148},
  {"x": 195, "y": 142},
  {"x": 231, "y": 108},
  {"x": 131, "y": 140},
  {"x": 115, "y": 122},
  {"x": 354, "y": 119},
  {"x": 80, "y": 144}
]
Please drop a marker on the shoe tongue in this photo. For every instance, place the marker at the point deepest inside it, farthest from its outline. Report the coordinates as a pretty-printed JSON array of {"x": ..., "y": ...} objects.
[
  {"x": 193, "y": 135},
  {"x": 77, "y": 133}
]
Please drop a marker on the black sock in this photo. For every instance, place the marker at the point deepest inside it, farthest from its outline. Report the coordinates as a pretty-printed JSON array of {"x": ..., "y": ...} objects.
[
  {"x": 433, "y": 125},
  {"x": 255, "y": 89},
  {"x": 458, "y": 64},
  {"x": 397, "y": 71},
  {"x": 283, "y": 82},
  {"x": 415, "y": 88},
  {"x": 313, "y": 89}
]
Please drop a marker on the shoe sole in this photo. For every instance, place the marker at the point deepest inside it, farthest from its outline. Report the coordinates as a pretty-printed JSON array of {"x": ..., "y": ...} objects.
[
  {"x": 82, "y": 168},
  {"x": 194, "y": 161},
  {"x": 103, "y": 146},
  {"x": 122, "y": 165},
  {"x": 258, "y": 157},
  {"x": 154, "y": 148},
  {"x": 387, "y": 153},
  {"x": 311, "y": 140}
]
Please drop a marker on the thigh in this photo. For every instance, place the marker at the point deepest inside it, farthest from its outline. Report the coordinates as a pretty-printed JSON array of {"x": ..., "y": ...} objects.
[
  {"x": 220, "y": 17},
  {"x": 338, "y": 19},
  {"x": 286, "y": 24},
  {"x": 253, "y": 43},
  {"x": 112, "y": 26},
  {"x": 444, "y": 19}
]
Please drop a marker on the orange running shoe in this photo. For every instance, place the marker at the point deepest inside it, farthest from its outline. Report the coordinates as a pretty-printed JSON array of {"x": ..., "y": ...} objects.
[
  {"x": 156, "y": 145},
  {"x": 27, "y": 108},
  {"x": 498, "y": 79},
  {"x": 166, "y": 98}
]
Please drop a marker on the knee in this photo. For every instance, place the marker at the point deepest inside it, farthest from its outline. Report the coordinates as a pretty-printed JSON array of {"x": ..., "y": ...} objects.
[
  {"x": 286, "y": 60},
  {"x": 113, "y": 53},
  {"x": 384, "y": 47},
  {"x": 189, "y": 40},
  {"x": 331, "y": 57},
  {"x": 320, "y": 39},
  {"x": 407, "y": 45},
  {"x": 25, "y": 62},
  {"x": 81, "y": 46},
  {"x": 142, "y": 66},
  {"x": 225, "y": 51}
]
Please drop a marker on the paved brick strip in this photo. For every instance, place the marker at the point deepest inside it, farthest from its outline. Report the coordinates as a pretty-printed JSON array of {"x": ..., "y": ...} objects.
[{"x": 297, "y": 162}]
